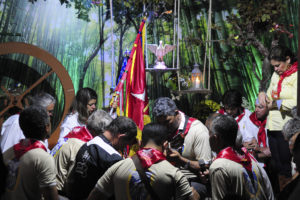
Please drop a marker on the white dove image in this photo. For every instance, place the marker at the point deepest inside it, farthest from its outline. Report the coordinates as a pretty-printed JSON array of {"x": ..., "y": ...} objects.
[{"x": 159, "y": 52}]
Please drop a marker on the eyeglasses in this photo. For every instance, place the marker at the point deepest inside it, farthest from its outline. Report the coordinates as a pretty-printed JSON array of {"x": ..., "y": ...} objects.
[{"x": 91, "y": 104}]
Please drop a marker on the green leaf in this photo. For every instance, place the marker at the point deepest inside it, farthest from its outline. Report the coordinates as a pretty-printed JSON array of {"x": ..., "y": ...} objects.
[{"x": 265, "y": 17}]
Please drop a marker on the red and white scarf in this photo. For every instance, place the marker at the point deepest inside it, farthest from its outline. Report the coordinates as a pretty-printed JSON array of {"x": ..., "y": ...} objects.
[
  {"x": 149, "y": 156},
  {"x": 81, "y": 133},
  {"x": 230, "y": 154}
]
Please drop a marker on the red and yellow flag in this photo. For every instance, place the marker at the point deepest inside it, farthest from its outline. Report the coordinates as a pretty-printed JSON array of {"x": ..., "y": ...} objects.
[
  {"x": 136, "y": 100},
  {"x": 136, "y": 91}
]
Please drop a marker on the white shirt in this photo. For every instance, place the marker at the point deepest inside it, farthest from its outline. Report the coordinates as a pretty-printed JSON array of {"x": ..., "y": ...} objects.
[
  {"x": 11, "y": 132},
  {"x": 244, "y": 122},
  {"x": 252, "y": 132},
  {"x": 68, "y": 124},
  {"x": 243, "y": 129}
]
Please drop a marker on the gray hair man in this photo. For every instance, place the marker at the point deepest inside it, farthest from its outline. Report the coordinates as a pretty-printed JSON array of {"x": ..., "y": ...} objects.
[
  {"x": 66, "y": 149},
  {"x": 291, "y": 130},
  {"x": 97, "y": 155},
  {"x": 11, "y": 132}
]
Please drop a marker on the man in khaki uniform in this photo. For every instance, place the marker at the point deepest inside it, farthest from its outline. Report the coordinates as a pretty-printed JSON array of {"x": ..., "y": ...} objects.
[
  {"x": 31, "y": 170},
  {"x": 189, "y": 140},
  {"x": 66, "y": 150},
  {"x": 124, "y": 182},
  {"x": 235, "y": 174}
]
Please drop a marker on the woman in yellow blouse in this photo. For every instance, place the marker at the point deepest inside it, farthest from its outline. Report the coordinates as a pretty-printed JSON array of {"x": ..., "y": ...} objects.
[{"x": 280, "y": 98}]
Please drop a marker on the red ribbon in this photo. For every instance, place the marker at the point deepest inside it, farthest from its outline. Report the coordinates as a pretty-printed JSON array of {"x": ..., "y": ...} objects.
[
  {"x": 26, "y": 145},
  {"x": 293, "y": 69},
  {"x": 230, "y": 154},
  {"x": 222, "y": 112},
  {"x": 81, "y": 133},
  {"x": 261, "y": 136},
  {"x": 150, "y": 156}
]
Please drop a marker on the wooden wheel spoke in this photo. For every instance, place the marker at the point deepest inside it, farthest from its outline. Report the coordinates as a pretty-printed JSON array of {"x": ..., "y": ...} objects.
[
  {"x": 6, "y": 91},
  {"x": 34, "y": 85},
  {"x": 56, "y": 67},
  {"x": 6, "y": 109}
]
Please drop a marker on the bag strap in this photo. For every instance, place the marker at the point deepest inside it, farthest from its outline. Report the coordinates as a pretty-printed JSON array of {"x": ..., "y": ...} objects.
[{"x": 143, "y": 177}]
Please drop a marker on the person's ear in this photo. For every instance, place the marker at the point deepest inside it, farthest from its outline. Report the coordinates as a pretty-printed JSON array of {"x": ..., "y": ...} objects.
[
  {"x": 214, "y": 138},
  {"x": 121, "y": 135},
  {"x": 288, "y": 60},
  {"x": 213, "y": 141}
]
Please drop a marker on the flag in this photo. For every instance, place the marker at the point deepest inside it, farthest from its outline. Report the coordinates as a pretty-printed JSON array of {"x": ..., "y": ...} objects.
[
  {"x": 136, "y": 100},
  {"x": 136, "y": 91}
]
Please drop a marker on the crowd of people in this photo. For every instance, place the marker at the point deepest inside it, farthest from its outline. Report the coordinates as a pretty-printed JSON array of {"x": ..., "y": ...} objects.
[{"x": 236, "y": 154}]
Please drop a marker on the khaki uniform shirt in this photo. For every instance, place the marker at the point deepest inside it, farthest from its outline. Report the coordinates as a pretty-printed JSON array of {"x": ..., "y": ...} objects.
[
  {"x": 65, "y": 160},
  {"x": 196, "y": 143},
  {"x": 124, "y": 182},
  {"x": 229, "y": 177},
  {"x": 33, "y": 171}
]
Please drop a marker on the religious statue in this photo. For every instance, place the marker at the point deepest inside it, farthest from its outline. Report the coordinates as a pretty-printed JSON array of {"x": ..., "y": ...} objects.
[{"x": 159, "y": 52}]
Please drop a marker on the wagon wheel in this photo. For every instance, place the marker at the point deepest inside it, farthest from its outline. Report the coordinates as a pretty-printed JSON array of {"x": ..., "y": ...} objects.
[{"x": 56, "y": 67}]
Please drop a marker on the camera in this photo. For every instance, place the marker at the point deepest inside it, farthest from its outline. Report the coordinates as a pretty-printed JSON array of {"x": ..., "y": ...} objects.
[{"x": 204, "y": 164}]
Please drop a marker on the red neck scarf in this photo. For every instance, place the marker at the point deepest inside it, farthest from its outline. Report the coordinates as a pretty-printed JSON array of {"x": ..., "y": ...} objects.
[
  {"x": 222, "y": 112},
  {"x": 149, "y": 156},
  {"x": 261, "y": 136},
  {"x": 26, "y": 145},
  {"x": 81, "y": 133},
  {"x": 290, "y": 71},
  {"x": 230, "y": 154},
  {"x": 186, "y": 128}
]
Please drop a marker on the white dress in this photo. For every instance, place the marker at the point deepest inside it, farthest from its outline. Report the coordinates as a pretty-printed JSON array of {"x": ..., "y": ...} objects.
[{"x": 68, "y": 124}]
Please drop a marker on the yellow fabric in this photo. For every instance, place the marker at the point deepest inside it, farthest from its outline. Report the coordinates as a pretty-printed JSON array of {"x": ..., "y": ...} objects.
[
  {"x": 277, "y": 118},
  {"x": 143, "y": 38},
  {"x": 134, "y": 148},
  {"x": 131, "y": 74}
]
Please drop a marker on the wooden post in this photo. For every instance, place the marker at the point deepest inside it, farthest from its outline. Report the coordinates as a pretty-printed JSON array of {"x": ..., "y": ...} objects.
[{"x": 298, "y": 84}]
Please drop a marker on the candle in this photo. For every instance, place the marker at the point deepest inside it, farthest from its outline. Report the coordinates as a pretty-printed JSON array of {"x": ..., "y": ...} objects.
[{"x": 197, "y": 82}]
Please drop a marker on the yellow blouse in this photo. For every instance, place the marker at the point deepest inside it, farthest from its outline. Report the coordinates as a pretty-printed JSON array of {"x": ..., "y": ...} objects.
[{"x": 288, "y": 95}]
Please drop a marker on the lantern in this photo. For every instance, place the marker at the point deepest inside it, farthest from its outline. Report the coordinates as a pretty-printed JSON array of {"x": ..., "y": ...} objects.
[{"x": 196, "y": 78}]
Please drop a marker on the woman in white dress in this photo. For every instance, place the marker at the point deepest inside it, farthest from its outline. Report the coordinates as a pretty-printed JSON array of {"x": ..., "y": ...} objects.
[{"x": 82, "y": 107}]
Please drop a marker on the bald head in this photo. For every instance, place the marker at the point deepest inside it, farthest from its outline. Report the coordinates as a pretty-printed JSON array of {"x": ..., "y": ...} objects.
[{"x": 261, "y": 110}]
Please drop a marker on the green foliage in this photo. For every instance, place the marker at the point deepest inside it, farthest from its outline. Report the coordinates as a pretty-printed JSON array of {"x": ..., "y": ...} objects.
[{"x": 254, "y": 18}]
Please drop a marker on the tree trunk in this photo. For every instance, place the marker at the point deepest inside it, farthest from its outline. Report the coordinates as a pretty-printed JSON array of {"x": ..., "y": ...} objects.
[
  {"x": 8, "y": 17},
  {"x": 3, "y": 13}
]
